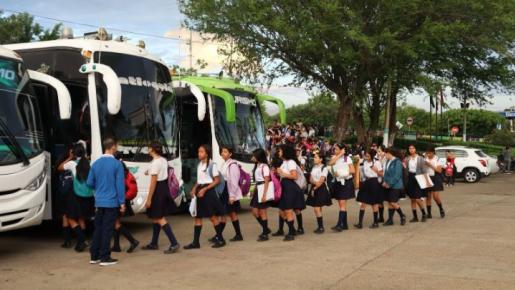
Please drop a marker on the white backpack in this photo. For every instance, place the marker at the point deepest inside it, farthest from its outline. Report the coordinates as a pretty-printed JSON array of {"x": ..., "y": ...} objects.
[{"x": 301, "y": 179}]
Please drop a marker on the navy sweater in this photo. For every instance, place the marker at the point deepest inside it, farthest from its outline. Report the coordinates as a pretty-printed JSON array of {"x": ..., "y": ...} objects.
[{"x": 106, "y": 176}]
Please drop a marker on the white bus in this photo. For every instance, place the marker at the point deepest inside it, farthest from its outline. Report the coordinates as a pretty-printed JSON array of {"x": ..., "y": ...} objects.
[
  {"x": 118, "y": 90},
  {"x": 24, "y": 163},
  {"x": 232, "y": 117}
]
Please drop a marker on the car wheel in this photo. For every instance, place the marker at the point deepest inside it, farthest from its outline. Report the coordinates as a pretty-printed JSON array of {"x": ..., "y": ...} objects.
[{"x": 471, "y": 175}]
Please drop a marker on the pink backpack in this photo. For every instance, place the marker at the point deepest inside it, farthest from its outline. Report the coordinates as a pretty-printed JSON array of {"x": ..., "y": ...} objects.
[
  {"x": 173, "y": 183},
  {"x": 244, "y": 182},
  {"x": 277, "y": 185}
]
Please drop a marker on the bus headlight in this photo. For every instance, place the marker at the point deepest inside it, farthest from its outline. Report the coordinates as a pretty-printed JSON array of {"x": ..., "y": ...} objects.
[{"x": 37, "y": 182}]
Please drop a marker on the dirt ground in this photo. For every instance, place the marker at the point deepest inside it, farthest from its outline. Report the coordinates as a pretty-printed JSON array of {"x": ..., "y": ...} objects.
[{"x": 472, "y": 248}]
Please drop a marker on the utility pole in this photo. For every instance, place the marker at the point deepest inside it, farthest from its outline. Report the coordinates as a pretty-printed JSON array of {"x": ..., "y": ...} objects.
[
  {"x": 465, "y": 106},
  {"x": 386, "y": 131},
  {"x": 190, "y": 43},
  {"x": 430, "y": 117}
]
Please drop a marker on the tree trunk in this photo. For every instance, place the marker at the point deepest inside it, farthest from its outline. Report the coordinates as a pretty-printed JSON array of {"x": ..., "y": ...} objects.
[
  {"x": 393, "y": 117},
  {"x": 361, "y": 131},
  {"x": 342, "y": 121}
]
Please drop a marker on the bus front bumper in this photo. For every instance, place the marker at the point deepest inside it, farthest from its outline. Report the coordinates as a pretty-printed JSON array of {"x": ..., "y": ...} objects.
[{"x": 22, "y": 208}]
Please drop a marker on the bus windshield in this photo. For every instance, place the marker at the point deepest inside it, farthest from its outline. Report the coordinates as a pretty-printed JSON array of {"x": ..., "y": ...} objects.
[
  {"x": 21, "y": 134},
  {"x": 147, "y": 110},
  {"x": 247, "y": 133}
]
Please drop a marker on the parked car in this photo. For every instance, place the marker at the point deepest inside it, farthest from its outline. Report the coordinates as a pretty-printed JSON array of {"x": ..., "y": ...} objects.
[{"x": 472, "y": 164}]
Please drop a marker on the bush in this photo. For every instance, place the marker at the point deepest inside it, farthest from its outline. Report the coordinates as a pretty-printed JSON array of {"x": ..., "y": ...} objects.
[{"x": 501, "y": 137}]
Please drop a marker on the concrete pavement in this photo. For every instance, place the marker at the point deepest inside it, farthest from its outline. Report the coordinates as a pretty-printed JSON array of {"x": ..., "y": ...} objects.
[{"x": 472, "y": 248}]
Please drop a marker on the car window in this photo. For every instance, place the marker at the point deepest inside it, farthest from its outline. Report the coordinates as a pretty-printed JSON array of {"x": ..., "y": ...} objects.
[
  {"x": 459, "y": 153},
  {"x": 440, "y": 153},
  {"x": 480, "y": 153}
]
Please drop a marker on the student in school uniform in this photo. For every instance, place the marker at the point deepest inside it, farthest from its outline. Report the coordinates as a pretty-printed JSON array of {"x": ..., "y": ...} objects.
[
  {"x": 319, "y": 195},
  {"x": 80, "y": 203},
  {"x": 343, "y": 188},
  {"x": 415, "y": 166},
  {"x": 392, "y": 182},
  {"x": 261, "y": 175},
  {"x": 290, "y": 191},
  {"x": 158, "y": 203},
  {"x": 232, "y": 193},
  {"x": 434, "y": 169},
  {"x": 275, "y": 164},
  {"x": 119, "y": 228},
  {"x": 380, "y": 156},
  {"x": 370, "y": 191},
  {"x": 300, "y": 203},
  {"x": 208, "y": 203}
]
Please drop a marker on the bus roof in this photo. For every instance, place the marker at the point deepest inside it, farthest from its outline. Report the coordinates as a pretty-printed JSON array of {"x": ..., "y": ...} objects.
[
  {"x": 89, "y": 44},
  {"x": 218, "y": 83},
  {"x": 9, "y": 53}
]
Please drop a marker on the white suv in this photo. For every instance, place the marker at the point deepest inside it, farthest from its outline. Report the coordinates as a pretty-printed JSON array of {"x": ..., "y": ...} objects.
[{"x": 471, "y": 164}]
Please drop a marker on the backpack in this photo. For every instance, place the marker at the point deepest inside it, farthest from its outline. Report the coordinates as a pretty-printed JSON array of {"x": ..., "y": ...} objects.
[
  {"x": 301, "y": 179},
  {"x": 131, "y": 187},
  {"x": 173, "y": 183},
  {"x": 81, "y": 189},
  {"x": 244, "y": 182},
  {"x": 220, "y": 187},
  {"x": 277, "y": 185},
  {"x": 449, "y": 169}
]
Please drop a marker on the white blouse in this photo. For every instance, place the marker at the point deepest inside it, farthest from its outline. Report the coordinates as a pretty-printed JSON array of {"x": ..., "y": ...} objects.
[
  {"x": 340, "y": 163},
  {"x": 159, "y": 167},
  {"x": 288, "y": 166},
  {"x": 318, "y": 172},
  {"x": 203, "y": 174},
  {"x": 368, "y": 172},
  {"x": 412, "y": 164},
  {"x": 262, "y": 171},
  {"x": 435, "y": 162}
]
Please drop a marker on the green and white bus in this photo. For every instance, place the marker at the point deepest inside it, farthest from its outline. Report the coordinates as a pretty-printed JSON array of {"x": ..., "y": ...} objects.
[{"x": 219, "y": 111}]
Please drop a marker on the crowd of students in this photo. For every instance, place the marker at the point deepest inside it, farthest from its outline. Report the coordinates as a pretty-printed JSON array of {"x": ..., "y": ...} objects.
[{"x": 376, "y": 177}]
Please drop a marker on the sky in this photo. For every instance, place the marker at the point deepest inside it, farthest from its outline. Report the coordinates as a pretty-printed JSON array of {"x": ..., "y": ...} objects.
[{"x": 162, "y": 18}]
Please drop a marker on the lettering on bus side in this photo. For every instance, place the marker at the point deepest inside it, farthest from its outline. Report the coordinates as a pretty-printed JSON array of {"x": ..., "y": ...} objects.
[{"x": 245, "y": 101}]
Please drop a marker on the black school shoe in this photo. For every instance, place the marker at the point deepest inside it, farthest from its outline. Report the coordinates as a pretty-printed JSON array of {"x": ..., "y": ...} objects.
[
  {"x": 213, "y": 240},
  {"x": 191, "y": 246},
  {"x": 424, "y": 219},
  {"x": 67, "y": 244},
  {"x": 429, "y": 215},
  {"x": 358, "y": 226},
  {"x": 300, "y": 231},
  {"x": 319, "y": 231},
  {"x": 133, "y": 247},
  {"x": 218, "y": 244},
  {"x": 80, "y": 247},
  {"x": 337, "y": 228},
  {"x": 279, "y": 233},
  {"x": 150, "y": 247},
  {"x": 414, "y": 220},
  {"x": 403, "y": 220},
  {"x": 116, "y": 249},
  {"x": 442, "y": 213},
  {"x": 374, "y": 226},
  {"x": 262, "y": 238},
  {"x": 172, "y": 249},
  {"x": 288, "y": 238},
  {"x": 237, "y": 238},
  {"x": 388, "y": 223}
]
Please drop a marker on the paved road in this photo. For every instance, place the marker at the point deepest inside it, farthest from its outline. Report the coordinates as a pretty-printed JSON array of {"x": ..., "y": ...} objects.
[{"x": 472, "y": 248}]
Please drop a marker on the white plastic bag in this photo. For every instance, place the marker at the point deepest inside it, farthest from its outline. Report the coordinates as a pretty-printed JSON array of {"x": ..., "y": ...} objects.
[{"x": 193, "y": 207}]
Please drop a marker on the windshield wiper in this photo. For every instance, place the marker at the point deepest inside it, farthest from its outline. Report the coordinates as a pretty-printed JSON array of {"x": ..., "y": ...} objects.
[{"x": 11, "y": 142}]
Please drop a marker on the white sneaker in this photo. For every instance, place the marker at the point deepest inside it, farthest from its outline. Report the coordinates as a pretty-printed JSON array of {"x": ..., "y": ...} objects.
[
  {"x": 109, "y": 262},
  {"x": 94, "y": 262}
]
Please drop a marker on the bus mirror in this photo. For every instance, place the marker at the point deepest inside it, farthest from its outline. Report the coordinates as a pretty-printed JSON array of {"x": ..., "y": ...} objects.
[
  {"x": 197, "y": 93},
  {"x": 278, "y": 102},
  {"x": 63, "y": 95},
  {"x": 114, "y": 88}
]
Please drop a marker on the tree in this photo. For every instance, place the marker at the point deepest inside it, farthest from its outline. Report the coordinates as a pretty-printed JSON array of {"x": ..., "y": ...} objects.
[
  {"x": 366, "y": 51},
  {"x": 320, "y": 111},
  {"x": 479, "y": 122},
  {"x": 21, "y": 27}
]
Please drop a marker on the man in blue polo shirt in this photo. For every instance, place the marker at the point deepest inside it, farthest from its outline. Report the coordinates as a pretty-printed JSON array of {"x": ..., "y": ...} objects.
[{"x": 106, "y": 177}]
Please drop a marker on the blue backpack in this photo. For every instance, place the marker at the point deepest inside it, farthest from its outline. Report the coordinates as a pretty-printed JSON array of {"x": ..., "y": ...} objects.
[
  {"x": 81, "y": 188},
  {"x": 220, "y": 187}
]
